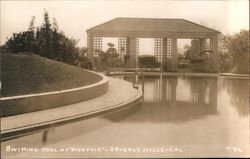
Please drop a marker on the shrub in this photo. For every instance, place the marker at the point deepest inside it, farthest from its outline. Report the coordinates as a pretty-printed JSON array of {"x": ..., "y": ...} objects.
[{"x": 148, "y": 61}]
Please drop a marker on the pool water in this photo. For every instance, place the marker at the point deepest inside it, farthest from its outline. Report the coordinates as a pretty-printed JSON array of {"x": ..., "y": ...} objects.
[{"x": 179, "y": 117}]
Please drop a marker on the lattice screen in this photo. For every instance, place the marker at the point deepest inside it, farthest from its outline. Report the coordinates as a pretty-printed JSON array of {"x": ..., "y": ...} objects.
[
  {"x": 122, "y": 47},
  {"x": 158, "y": 49},
  {"x": 97, "y": 45},
  {"x": 168, "y": 48}
]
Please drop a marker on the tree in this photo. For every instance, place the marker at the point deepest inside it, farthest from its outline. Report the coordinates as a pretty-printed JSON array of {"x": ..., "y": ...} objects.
[
  {"x": 108, "y": 59},
  {"x": 187, "y": 51},
  {"x": 238, "y": 47},
  {"x": 234, "y": 52},
  {"x": 30, "y": 35},
  {"x": 44, "y": 37},
  {"x": 111, "y": 49},
  {"x": 48, "y": 41},
  {"x": 23, "y": 41},
  {"x": 31, "y": 25},
  {"x": 55, "y": 25},
  {"x": 225, "y": 59}
]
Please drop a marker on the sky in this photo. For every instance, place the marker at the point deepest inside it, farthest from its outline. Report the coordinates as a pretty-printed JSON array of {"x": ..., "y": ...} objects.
[{"x": 75, "y": 17}]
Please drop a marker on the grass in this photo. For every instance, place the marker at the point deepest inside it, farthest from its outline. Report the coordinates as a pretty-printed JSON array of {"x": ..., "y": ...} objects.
[{"x": 26, "y": 74}]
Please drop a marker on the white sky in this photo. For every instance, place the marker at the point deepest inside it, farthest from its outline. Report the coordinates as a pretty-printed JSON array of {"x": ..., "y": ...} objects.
[{"x": 75, "y": 17}]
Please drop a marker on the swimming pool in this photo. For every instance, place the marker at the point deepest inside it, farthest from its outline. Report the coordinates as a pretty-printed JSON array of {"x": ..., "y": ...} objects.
[{"x": 179, "y": 117}]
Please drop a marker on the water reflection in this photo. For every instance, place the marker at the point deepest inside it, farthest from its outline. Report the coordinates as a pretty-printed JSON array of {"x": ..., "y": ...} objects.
[
  {"x": 238, "y": 90},
  {"x": 56, "y": 134},
  {"x": 174, "y": 99},
  {"x": 175, "y": 111},
  {"x": 45, "y": 136}
]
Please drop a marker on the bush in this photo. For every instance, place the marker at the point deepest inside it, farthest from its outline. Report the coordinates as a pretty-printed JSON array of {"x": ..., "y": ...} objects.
[
  {"x": 148, "y": 61},
  {"x": 166, "y": 66},
  {"x": 234, "y": 52},
  {"x": 107, "y": 60}
]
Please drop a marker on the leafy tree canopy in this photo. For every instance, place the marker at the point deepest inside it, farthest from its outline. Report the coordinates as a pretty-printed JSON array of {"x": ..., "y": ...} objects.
[
  {"x": 108, "y": 59},
  {"x": 234, "y": 52},
  {"x": 48, "y": 41}
]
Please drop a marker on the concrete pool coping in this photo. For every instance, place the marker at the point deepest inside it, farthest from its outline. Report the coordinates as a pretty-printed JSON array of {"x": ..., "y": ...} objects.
[
  {"x": 234, "y": 75},
  {"x": 226, "y": 75},
  {"x": 165, "y": 74},
  {"x": 121, "y": 95}
]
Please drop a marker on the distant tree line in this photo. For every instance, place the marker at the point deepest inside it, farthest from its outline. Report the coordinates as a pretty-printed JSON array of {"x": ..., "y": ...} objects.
[{"x": 48, "y": 41}]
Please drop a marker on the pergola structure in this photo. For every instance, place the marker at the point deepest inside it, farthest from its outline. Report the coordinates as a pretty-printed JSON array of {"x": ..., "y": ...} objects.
[{"x": 164, "y": 31}]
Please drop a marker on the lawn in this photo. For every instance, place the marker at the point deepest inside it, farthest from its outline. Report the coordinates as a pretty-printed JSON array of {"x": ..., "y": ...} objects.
[{"x": 26, "y": 74}]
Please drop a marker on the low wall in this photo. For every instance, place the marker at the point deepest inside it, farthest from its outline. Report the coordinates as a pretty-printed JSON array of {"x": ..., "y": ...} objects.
[{"x": 35, "y": 102}]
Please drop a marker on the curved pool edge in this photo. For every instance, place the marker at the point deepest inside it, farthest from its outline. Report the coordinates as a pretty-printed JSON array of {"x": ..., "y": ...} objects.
[
  {"x": 21, "y": 104},
  {"x": 7, "y": 134}
]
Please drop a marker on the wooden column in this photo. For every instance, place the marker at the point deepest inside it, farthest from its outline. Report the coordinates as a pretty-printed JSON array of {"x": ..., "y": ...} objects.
[
  {"x": 122, "y": 47},
  {"x": 214, "y": 49},
  {"x": 90, "y": 45},
  {"x": 202, "y": 45},
  {"x": 132, "y": 51},
  {"x": 165, "y": 55},
  {"x": 174, "y": 54},
  {"x": 158, "y": 50},
  {"x": 127, "y": 45}
]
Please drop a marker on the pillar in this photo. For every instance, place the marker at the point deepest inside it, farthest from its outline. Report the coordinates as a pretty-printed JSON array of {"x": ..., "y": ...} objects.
[
  {"x": 90, "y": 42},
  {"x": 97, "y": 45},
  {"x": 122, "y": 49},
  {"x": 214, "y": 49},
  {"x": 166, "y": 54},
  {"x": 202, "y": 45},
  {"x": 158, "y": 50},
  {"x": 132, "y": 51},
  {"x": 173, "y": 54},
  {"x": 194, "y": 49},
  {"x": 197, "y": 48},
  {"x": 127, "y": 45}
]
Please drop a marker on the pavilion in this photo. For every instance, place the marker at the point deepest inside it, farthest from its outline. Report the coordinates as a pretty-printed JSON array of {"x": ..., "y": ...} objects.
[{"x": 165, "y": 33}]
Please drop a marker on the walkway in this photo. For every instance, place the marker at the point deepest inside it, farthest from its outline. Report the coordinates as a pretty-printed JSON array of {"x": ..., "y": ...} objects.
[{"x": 121, "y": 94}]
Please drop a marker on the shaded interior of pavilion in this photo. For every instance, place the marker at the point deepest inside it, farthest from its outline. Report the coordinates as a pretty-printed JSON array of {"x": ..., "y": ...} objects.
[{"x": 165, "y": 34}]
